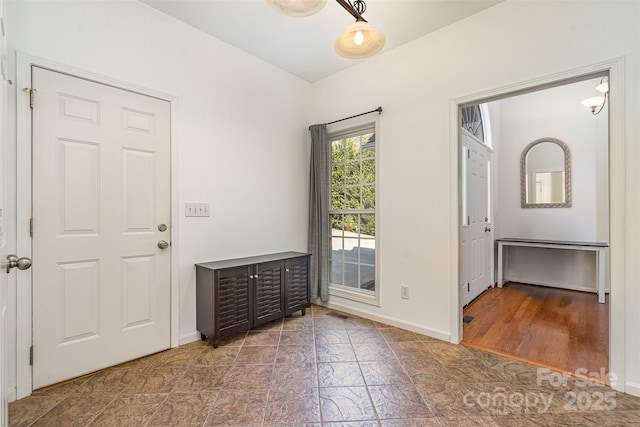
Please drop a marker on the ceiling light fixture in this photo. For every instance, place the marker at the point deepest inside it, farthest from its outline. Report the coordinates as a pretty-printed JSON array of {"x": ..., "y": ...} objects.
[
  {"x": 297, "y": 8},
  {"x": 597, "y": 102},
  {"x": 360, "y": 39}
]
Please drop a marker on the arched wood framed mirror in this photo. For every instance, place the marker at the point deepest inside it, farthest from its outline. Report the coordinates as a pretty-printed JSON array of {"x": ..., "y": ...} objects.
[{"x": 545, "y": 174}]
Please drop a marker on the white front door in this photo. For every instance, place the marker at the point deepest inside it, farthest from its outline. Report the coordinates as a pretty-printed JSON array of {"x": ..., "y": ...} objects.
[
  {"x": 101, "y": 190},
  {"x": 477, "y": 235}
]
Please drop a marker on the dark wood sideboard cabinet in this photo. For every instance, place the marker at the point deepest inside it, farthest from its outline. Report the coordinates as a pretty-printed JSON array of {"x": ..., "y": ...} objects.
[{"x": 239, "y": 294}]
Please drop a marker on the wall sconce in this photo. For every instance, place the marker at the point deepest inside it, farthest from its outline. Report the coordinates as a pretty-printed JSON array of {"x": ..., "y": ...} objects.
[
  {"x": 597, "y": 102},
  {"x": 360, "y": 39}
]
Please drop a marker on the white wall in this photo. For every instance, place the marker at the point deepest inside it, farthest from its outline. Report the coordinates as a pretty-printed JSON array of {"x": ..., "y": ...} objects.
[
  {"x": 554, "y": 113},
  {"x": 241, "y": 127},
  {"x": 510, "y": 43}
]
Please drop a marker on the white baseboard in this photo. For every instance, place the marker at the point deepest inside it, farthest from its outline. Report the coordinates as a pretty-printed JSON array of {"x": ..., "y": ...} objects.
[
  {"x": 12, "y": 394},
  {"x": 632, "y": 388},
  {"x": 190, "y": 337},
  {"x": 584, "y": 288},
  {"x": 434, "y": 333}
]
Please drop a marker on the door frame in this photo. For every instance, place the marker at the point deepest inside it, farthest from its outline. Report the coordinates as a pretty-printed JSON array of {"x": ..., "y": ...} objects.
[
  {"x": 617, "y": 197},
  {"x": 24, "y": 338}
]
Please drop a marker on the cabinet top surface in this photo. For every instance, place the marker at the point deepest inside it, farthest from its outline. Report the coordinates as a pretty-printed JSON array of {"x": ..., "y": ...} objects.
[{"x": 237, "y": 262}]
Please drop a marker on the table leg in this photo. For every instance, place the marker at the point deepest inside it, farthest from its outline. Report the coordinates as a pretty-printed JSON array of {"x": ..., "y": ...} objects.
[
  {"x": 500, "y": 265},
  {"x": 601, "y": 260}
]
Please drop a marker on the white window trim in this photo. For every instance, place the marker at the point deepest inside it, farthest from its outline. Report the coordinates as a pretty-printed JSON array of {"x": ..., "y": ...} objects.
[{"x": 343, "y": 291}]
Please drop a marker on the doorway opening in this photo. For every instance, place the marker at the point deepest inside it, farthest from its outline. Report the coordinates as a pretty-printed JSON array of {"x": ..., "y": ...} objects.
[{"x": 540, "y": 313}]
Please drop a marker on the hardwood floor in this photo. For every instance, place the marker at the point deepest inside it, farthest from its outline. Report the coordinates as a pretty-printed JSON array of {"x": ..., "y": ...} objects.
[{"x": 564, "y": 330}]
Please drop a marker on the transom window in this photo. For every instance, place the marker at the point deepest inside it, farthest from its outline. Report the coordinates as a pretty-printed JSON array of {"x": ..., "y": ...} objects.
[
  {"x": 472, "y": 121},
  {"x": 352, "y": 212}
]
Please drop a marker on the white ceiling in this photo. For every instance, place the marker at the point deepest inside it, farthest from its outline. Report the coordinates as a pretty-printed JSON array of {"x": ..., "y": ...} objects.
[{"x": 304, "y": 46}]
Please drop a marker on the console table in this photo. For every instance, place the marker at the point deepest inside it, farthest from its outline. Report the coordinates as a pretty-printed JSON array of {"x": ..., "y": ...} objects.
[{"x": 599, "y": 248}]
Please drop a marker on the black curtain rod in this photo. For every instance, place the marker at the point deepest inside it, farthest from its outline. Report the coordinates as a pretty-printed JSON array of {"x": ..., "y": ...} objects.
[{"x": 378, "y": 110}]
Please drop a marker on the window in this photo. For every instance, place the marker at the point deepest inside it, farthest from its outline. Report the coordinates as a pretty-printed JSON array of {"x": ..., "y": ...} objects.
[
  {"x": 352, "y": 212},
  {"x": 472, "y": 121}
]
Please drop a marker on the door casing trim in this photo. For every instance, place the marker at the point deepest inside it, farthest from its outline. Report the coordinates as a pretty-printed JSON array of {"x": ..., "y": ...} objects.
[
  {"x": 24, "y": 338},
  {"x": 617, "y": 198}
]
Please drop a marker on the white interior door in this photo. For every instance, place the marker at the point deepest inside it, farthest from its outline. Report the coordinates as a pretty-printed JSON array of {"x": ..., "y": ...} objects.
[
  {"x": 3, "y": 257},
  {"x": 101, "y": 189},
  {"x": 477, "y": 232},
  {"x": 3, "y": 247}
]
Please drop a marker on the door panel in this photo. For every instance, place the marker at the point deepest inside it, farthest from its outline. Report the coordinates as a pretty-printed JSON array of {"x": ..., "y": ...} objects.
[
  {"x": 101, "y": 185},
  {"x": 78, "y": 291}
]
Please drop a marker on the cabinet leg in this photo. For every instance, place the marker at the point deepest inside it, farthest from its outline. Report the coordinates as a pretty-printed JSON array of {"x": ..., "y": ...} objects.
[
  {"x": 215, "y": 342},
  {"x": 304, "y": 311},
  {"x": 203, "y": 337}
]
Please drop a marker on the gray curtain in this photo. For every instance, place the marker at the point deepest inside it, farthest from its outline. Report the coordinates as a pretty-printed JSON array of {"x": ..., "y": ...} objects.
[{"x": 318, "y": 212}]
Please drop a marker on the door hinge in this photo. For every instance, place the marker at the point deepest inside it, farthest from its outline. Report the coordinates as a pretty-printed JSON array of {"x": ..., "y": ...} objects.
[
  {"x": 31, "y": 227},
  {"x": 32, "y": 92},
  {"x": 31, "y": 356},
  {"x": 468, "y": 151},
  {"x": 468, "y": 290},
  {"x": 468, "y": 220}
]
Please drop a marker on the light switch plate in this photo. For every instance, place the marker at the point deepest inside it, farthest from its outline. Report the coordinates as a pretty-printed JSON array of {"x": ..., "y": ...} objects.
[{"x": 196, "y": 209}]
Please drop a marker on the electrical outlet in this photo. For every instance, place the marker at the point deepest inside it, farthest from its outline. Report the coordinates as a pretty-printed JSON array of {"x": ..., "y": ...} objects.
[
  {"x": 196, "y": 209},
  {"x": 404, "y": 291}
]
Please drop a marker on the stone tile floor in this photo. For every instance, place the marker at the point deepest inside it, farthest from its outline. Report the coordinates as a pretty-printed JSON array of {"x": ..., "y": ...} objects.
[{"x": 323, "y": 370}]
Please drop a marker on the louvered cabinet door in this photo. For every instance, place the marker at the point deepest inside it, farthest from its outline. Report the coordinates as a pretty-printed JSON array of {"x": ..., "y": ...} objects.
[
  {"x": 233, "y": 300},
  {"x": 269, "y": 292},
  {"x": 297, "y": 296},
  {"x": 223, "y": 302}
]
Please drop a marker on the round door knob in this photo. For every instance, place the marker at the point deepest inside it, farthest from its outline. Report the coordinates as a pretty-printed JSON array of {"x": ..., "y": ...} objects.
[
  {"x": 163, "y": 244},
  {"x": 22, "y": 263},
  {"x": 162, "y": 227}
]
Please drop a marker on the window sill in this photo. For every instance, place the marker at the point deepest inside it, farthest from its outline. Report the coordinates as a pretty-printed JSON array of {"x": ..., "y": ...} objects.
[{"x": 354, "y": 295}]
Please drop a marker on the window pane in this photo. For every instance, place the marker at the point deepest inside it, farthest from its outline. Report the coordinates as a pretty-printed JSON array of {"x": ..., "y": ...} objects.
[
  {"x": 367, "y": 277},
  {"x": 352, "y": 198},
  {"x": 337, "y": 175},
  {"x": 337, "y": 151},
  {"x": 368, "y": 252},
  {"x": 337, "y": 198},
  {"x": 352, "y": 148},
  {"x": 369, "y": 171},
  {"x": 367, "y": 225},
  {"x": 336, "y": 249},
  {"x": 352, "y": 173},
  {"x": 368, "y": 197},
  {"x": 336, "y": 224},
  {"x": 351, "y": 250},
  {"x": 351, "y": 225},
  {"x": 368, "y": 145},
  {"x": 336, "y": 273},
  {"x": 351, "y": 275}
]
